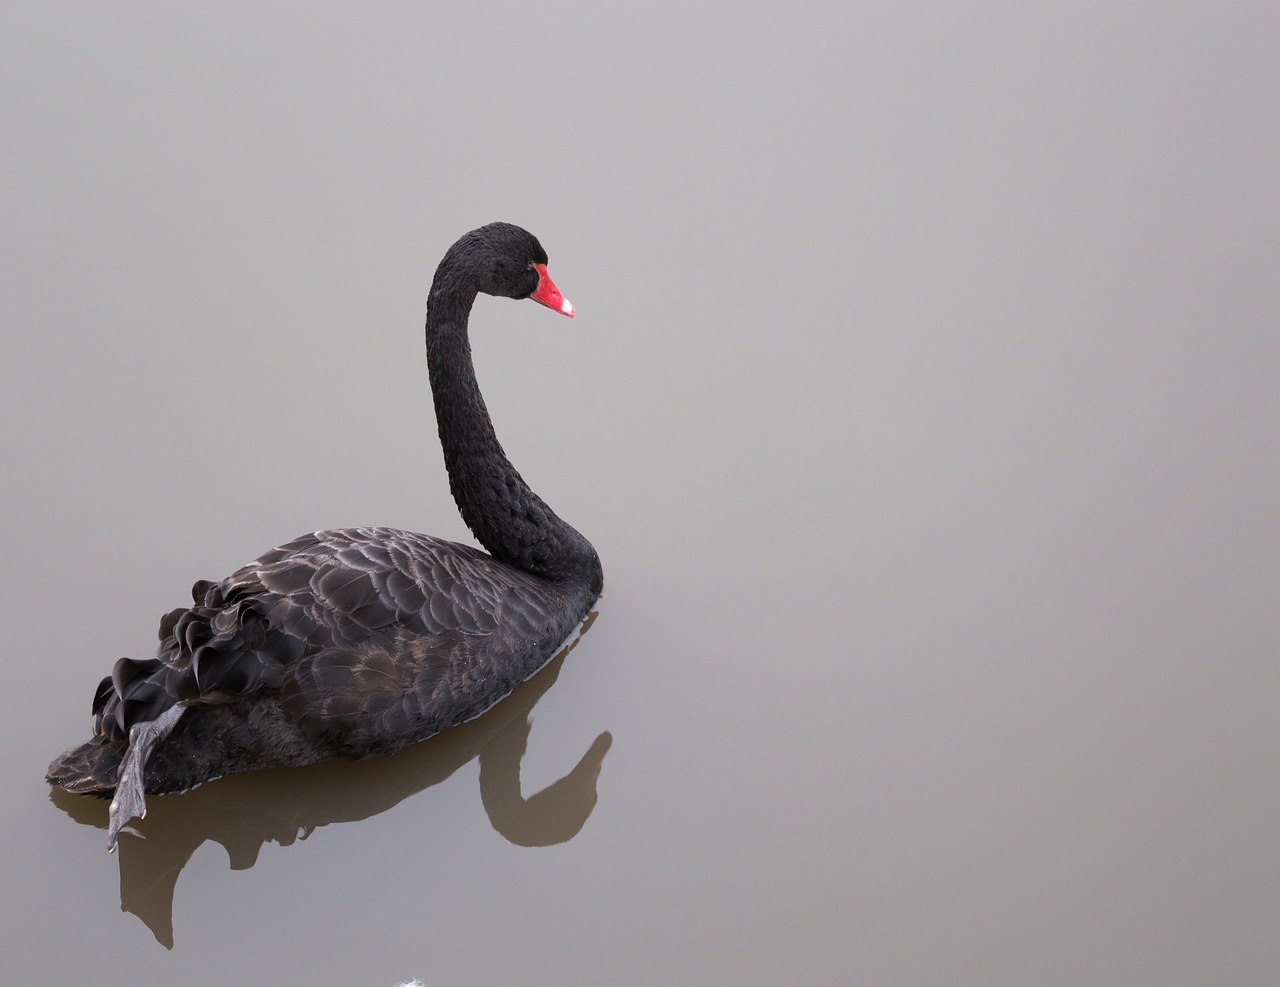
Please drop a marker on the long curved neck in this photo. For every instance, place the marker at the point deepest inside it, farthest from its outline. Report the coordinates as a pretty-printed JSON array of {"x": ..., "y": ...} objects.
[{"x": 507, "y": 518}]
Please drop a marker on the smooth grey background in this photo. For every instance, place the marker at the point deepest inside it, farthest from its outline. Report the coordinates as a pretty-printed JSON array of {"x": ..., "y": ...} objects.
[{"x": 921, "y": 403}]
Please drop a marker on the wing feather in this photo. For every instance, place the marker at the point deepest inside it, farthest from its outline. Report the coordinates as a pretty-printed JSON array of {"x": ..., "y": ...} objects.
[{"x": 371, "y": 637}]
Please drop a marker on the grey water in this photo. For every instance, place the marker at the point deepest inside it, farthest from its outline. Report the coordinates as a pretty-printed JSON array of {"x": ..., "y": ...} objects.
[{"x": 921, "y": 403}]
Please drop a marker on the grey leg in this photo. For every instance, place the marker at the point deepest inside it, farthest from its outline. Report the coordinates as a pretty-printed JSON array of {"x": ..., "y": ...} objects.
[{"x": 130, "y": 800}]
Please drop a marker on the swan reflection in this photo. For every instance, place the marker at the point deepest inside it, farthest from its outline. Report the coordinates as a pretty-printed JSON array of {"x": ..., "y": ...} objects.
[{"x": 242, "y": 812}]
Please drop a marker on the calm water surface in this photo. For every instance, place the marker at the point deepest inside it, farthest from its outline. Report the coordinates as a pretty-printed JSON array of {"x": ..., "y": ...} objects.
[{"x": 921, "y": 404}]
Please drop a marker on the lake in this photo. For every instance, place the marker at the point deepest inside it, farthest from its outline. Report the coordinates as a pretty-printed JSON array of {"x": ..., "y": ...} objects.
[{"x": 921, "y": 404}]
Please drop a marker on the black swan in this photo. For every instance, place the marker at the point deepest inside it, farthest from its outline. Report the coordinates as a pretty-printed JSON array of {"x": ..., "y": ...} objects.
[{"x": 358, "y": 641}]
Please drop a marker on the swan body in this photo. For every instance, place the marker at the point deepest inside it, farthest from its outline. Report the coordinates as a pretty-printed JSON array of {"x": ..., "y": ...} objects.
[{"x": 358, "y": 641}]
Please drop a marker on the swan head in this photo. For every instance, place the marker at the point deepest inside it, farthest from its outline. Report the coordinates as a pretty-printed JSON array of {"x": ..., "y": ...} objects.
[{"x": 509, "y": 262}]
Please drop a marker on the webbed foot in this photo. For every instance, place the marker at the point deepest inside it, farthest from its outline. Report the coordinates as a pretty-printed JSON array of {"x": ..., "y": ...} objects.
[{"x": 130, "y": 801}]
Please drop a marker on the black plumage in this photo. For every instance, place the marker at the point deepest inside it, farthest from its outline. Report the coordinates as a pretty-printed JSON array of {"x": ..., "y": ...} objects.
[{"x": 358, "y": 641}]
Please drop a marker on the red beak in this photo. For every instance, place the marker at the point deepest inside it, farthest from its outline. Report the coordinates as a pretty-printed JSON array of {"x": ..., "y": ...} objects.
[{"x": 548, "y": 294}]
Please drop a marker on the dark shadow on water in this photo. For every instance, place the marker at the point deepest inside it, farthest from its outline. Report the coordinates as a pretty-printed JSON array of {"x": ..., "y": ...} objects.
[{"x": 243, "y": 812}]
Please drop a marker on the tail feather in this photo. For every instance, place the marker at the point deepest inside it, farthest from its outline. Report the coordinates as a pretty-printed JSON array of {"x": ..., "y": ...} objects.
[{"x": 90, "y": 769}]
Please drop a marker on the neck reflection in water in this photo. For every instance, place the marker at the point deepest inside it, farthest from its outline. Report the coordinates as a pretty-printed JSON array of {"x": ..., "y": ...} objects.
[{"x": 242, "y": 812}]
